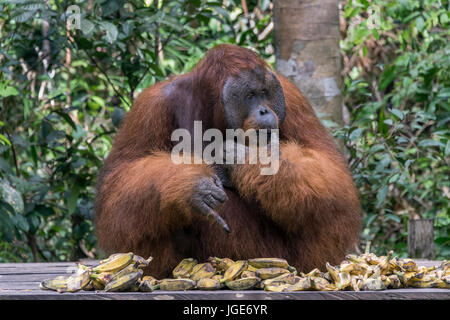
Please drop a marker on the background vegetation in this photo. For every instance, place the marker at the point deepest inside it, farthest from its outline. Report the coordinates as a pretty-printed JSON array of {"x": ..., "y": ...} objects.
[{"x": 63, "y": 93}]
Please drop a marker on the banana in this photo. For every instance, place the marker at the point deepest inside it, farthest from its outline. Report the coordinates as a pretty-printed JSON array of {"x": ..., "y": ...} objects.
[
  {"x": 234, "y": 271},
  {"x": 183, "y": 269},
  {"x": 78, "y": 281},
  {"x": 268, "y": 263},
  {"x": 103, "y": 278},
  {"x": 58, "y": 283},
  {"x": 221, "y": 264},
  {"x": 356, "y": 283},
  {"x": 114, "y": 255},
  {"x": 373, "y": 284},
  {"x": 152, "y": 280},
  {"x": 301, "y": 285},
  {"x": 124, "y": 283},
  {"x": 97, "y": 284},
  {"x": 395, "y": 282},
  {"x": 269, "y": 273},
  {"x": 176, "y": 284},
  {"x": 140, "y": 262},
  {"x": 248, "y": 274},
  {"x": 217, "y": 277},
  {"x": 334, "y": 274},
  {"x": 115, "y": 264},
  {"x": 409, "y": 265},
  {"x": 292, "y": 269},
  {"x": 313, "y": 273},
  {"x": 277, "y": 288},
  {"x": 147, "y": 285},
  {"x": 321, "y": 284},
  {"x": 251, "y": 268},
  {"x": 206, "y": 270},
  {"x": 344, "y": 280},
  {"x": 89, "y": 286},
  {"x": 243, "y": 283},
  {"x": 208, "y": 284},
  {"x": 286, "y": 278},
  {"x": 384, "y": 264},
  {"x": 134, "y": 267}
]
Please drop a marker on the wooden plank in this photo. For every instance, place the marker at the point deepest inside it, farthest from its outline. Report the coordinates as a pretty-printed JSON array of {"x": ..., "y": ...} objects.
[
  {"x": 21, "y": 281},
  {"x": 399, "y": 294}
]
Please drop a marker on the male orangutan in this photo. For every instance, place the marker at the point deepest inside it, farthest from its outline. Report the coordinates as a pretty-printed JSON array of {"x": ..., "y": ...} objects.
[{"x": 307, "y": 213}]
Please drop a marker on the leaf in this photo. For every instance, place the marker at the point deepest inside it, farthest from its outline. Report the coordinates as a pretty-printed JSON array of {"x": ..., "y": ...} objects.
[
  {"x": 11, "y": 196},
  {"x": 8, "y": 91},
  {"x": 447, "y": 149},
  {"x": 5, "y": 140},
  {"x": 111, "y": 31},
  {"x": 387, "y": 77},
  {"x": 72, "y": 198},
  {"x": 21, "y": 223},
  {"x": 398, "y": 113},
  {"x": 355, "y": 134},
  {"x": 381, "y": 195},
  {"x": 117, "y": 116},
  {"x": 430, "y": 143},
  {"x": 87, "y": 26},
  {"x": 393, "y": 217},
  {"x": 420, "y": 24}
]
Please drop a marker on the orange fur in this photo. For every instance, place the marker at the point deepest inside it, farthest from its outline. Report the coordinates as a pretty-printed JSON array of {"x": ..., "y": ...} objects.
[{"x": 307, "y": 213}]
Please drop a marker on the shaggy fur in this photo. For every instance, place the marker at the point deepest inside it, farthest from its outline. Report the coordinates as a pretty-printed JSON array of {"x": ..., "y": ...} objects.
[{"x": 307, "y": 213}]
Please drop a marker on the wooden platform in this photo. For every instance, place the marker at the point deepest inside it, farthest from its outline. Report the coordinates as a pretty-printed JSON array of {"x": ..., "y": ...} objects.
[{"x": 20, "y": 281}]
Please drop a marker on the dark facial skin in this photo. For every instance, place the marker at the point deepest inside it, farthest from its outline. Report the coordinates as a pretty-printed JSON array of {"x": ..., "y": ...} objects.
[{"x": 253, "y": 99}]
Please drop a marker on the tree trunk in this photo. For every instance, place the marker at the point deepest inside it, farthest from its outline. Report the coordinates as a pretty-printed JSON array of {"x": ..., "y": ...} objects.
[
  {"x": 307, "y": 51},
  {"x": 421, "y": 238}
]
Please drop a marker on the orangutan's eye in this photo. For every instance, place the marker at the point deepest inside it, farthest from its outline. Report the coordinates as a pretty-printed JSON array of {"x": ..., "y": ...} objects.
[
  {"x": 264, "y": 92},
  {"x": 251, "y": 94}
]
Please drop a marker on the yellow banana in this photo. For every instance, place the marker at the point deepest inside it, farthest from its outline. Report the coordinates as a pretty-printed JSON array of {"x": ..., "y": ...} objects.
[
  {"x": 333, "y": 272},
  {"x": 248, "y": 274},
  {"x": 221, "y": 264},
  {"x": 208, "y": 284},
  {"x": 373, "y": 284},
  {"x": 103, "y": 278},
  {"x": 140, "y": 262},
  {"x": 286, "y": 278},
  {"x": 176, "y": 284},
  {"x": 58, "y": 283},
  {"x": 124, "y": 283},
  {"x": 115, "y": 264},
  {"x": 269, "y": 273},
  {"x": 321, "y": 284},
  {"x": 243, "y": 283},
  {"x": 183, "y": 269},
  {"x": 268, "y": 263},
  {"x": 128, "y": 269},
  {"x": 300, "y": 285},
  {"x": 78, "y": 281},
  {"x": 147, "y": 285},
  {"x": 234, "y": 271},
  {"x": 205, "y": 271}
]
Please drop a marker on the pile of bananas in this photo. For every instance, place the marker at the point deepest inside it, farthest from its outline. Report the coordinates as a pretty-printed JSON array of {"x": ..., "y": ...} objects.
[
  {"x": 120, "y": 272},
  {"x": 123, "y": 272}
]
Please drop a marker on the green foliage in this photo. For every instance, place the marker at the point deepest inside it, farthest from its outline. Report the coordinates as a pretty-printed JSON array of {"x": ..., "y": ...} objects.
[
  {"x": 397, "y": 90},
  {"x": 64, "y": 92}
]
